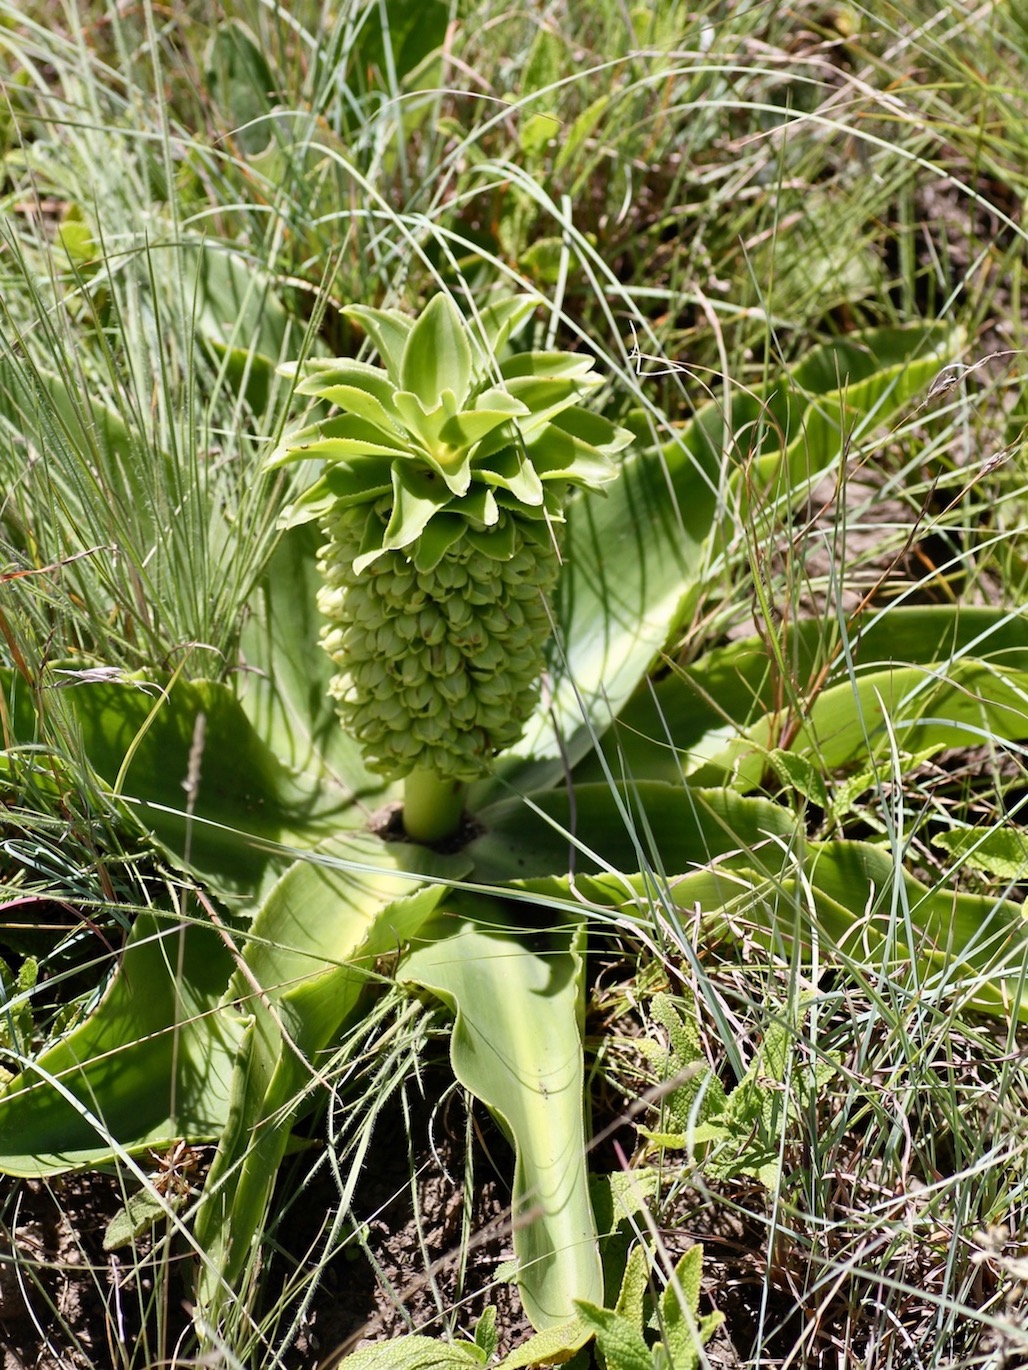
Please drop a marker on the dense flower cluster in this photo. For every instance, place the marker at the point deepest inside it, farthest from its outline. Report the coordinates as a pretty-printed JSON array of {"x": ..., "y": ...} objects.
[
  {"x": 438, "y": 670},
  {"x": 441, "y": 495}
]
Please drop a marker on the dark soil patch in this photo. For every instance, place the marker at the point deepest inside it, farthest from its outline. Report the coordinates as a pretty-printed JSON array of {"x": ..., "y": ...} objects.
[
  {"x": 417, "y": 1255},
  {"x": 65, "y": 1303}
]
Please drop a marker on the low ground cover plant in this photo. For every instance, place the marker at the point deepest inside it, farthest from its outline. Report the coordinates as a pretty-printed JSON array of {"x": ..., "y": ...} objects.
[{"x": 413, "y": 670}]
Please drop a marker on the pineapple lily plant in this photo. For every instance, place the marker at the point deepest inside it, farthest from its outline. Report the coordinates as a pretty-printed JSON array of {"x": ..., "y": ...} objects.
[
  {"x": 464, "y": 493},
  {"x": 442, "y": 501}
]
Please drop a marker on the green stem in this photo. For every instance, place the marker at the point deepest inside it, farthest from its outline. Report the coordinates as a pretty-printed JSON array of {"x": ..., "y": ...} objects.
[{"x": 432, "y": 807}]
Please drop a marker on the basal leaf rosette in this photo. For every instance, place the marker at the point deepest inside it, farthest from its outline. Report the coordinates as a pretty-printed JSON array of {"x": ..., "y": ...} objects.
[{"x": 444, "y": 478}]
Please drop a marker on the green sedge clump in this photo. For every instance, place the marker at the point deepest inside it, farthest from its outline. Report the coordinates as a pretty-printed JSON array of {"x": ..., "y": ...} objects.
[{"x": 441, "y": 497}]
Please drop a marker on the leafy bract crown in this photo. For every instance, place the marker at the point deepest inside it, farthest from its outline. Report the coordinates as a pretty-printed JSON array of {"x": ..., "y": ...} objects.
[{"x": 447, "y": 435}]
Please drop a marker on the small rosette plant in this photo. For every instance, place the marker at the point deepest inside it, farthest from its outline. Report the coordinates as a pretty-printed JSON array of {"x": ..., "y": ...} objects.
[{"x": 441, "y": 495}]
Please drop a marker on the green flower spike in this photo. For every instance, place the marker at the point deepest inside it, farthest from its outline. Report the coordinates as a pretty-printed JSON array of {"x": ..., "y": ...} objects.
[{"x": 441, "y": 496}]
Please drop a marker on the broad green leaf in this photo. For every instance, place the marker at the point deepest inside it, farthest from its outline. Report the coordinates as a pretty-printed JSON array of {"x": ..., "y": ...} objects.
[
  {"x": 497, "y": 323},
  {"x": 746, "y": 1125},
  {"x": 637, "y": 559},
  {"x": 709, "y": 714},
  {"x": 700, "y": 1095},
  {"x": 423, "y": 421},
  {"x": 500, "y": 399},
  {"x": 241, "y": 318},
  {"x": 913, "y": 708},
  {"x": 417, "y": 497},
  {"x": 141, "y": 1212},
  {"x": 568, "y": 445},
  {"x": 958, "y": 936},
  {"x": 650, "y": 826},
  {"x": 754, "y": 1116},
  {"x": 415, "y": 1353},
  {"x": 688, "y": 1274},
  {"x": 16, "y": 1016},
  {"x": 343, "y": 438},
  {"x": 550, "y": 365},
  {"x": 358, "y": 481},
  {"x": 323, "y": 376},
  {"x": 863, "y": 397},
  {"x": 284, "y": 691},
  {"x": 76, "y": 237},
  {"x": 535, "y": 134},
  {"x": 999, "y": 852},
  {"x": 546, "y": 65},
  {"x": 437, "y": 539},
  {"x": 742, "y": 870},
  {"x": 357, "y": 400},
  {"x": 517, "y": 1046},
  {"x": 478, "y": 506},
  {"x": 487, "y": 1338},
  {"x": 437, "y": 355},
  {"x": 800, "y": 772},
  {"x": 958, "y": 939},
  {"x": 409, "y": 30},
  {"x": 574, "y": 141},
  {"x": 151, "y": 742},
  {"x": 491, "y": 541},
  {"x": 623, "y": 1346},
  {"x": 507, "y": 470},
  {"x": 552, "y": 1346},
  {"x": 544, "y": 397},
  {"x": 388, "y": 330},
  {"x": 464, "y": 429},
  {"x": 632, "y": 1294},
  {"x": 859, "y": 357},
  {"x": 150, "y": 1065},
  {"x": 684, "y": 1331},
  {"x": 620, "y": 1202},
  {"x": 683, "y": 1033},
  {"x": 311, "y": 948}
]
